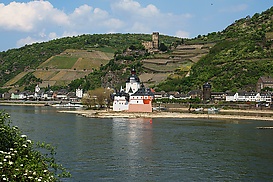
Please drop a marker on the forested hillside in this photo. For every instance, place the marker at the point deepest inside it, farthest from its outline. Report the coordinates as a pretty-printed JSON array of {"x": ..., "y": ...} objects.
[{"x": 243, "y": 53}]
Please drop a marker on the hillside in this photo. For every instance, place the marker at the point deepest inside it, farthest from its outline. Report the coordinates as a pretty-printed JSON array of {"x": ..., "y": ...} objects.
[
  {"x": 60, "y": 61},
  {"x": 60, "y": 70},
  {"x": 231, "y": 60},
  {"x": 159, "y": 67},
  {"x": 242, "y": 54}
]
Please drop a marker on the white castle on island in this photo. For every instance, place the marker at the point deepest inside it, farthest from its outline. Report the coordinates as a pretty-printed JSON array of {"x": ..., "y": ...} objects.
[{"x": 135, "y": 97}]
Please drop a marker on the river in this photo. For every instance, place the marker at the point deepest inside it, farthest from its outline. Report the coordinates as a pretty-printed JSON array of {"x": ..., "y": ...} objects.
[{"x": 93, "y": 149}]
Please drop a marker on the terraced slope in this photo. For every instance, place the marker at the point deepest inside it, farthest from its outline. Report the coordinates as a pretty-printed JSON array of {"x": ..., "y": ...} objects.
[
  {"x": 77, "y": 59},
  {"x": 180, "y": 59},
  {"x": 15, "y": 79},
  {"x": 65, "y": 67},
  {"x": 70, "y": 65}
]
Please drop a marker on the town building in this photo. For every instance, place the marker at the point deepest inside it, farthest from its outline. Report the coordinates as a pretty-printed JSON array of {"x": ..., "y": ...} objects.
[
  {"x": 264, "y": 82},
  {"x": 195, "y": 94},
  {"x": 121, "y": 101},
  {"x": 42, "y": 95},
  {"x": 249, "y": 97},
  {"x": 135, "y": 97},
  {"x": 218, "y": 96}
]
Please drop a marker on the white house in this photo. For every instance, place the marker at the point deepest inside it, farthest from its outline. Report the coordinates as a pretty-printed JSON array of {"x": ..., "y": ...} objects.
[
  {"x": 79, "y": 93},
  {"x": 266, "y": 97},
  {"x": 232, "y": 97},
  {"x": 47, "y": 95},
  {"x": 252, "y": 96},
  {"x": 248, "y": 96},
  {"x": 121, "y": 102}
]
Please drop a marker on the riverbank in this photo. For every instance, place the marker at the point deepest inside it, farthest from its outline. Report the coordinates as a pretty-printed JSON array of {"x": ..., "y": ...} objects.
[
  {"x": 29, "y": 103},
  {"x": 224, "y": 114},
  {"x": 181, "y": 112},
  {"x": 22, "y": 104}
]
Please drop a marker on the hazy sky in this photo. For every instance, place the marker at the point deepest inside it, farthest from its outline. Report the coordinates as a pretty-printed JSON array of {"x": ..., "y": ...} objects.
[{"x": 24, "y": 22}]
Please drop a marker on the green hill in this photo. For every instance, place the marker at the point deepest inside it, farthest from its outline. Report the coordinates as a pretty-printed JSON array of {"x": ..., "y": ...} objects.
[
  {"x": 232, "y": 59},
  {"x": 243, "y": 52},
  {"x": 83, "y": 53}
]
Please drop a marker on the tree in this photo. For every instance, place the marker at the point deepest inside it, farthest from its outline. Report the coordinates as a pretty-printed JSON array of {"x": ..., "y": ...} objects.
[
  {"x": 88, "y": 100},
  {"x": 98, "y": 97},
  {"x": 163, "y": 47},
  {"x": 21, "y": 161}
]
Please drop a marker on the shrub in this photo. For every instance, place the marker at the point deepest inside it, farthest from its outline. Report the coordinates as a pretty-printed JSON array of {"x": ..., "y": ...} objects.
[{"x": 21, "y": 160}]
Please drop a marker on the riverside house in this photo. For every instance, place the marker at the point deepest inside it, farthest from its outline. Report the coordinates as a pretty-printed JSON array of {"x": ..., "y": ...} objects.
[
  {"x": 44, "y": 95},
  {"x": 249, "y": 97}
]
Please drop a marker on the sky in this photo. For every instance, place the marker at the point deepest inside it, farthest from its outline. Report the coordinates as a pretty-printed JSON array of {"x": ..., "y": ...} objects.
[{"x": 25, "y": 22}]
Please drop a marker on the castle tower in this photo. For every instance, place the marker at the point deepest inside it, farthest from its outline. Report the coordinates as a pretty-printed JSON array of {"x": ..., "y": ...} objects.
[
  {"x": 132, "y": 83},
  {"x": 155, "y": 40},
  {"x": 206, "y": 91}
]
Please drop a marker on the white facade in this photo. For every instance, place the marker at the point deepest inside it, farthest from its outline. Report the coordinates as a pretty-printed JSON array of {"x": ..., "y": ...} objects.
[
  {"x": 79, "y": 93},
  {"x": 266, "y": 98},
  {"x": 132, "y": 85},
  {"x": 231, "y": 98},
  {"x": 47, "y": 96},
  {"x": 120, "y": 103},
  {"x": 138, "y": 99},
  {"x": 37, "y": 89},
  {"x": 251, "y": 97},
  {"x": 61, "y": 96},
  {"x": 241, "y": 97}
]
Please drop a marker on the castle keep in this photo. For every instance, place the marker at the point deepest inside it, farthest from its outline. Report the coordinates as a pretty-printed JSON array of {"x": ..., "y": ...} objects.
[{"x": 154, "y": 44}]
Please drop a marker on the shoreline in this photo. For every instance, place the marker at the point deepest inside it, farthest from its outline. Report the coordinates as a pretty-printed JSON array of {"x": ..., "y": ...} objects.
[
  {"x": 265, "y": 115},
  {"x": 112, "y": 114},
  {"x": 21, "y": 104}
]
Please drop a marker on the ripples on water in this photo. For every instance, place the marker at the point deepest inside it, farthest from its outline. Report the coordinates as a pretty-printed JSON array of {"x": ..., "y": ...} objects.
[{"x": 152, "y": 149}]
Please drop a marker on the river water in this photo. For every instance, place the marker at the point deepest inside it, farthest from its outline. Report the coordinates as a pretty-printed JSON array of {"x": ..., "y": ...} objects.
[{"x": 151, "y": 149}]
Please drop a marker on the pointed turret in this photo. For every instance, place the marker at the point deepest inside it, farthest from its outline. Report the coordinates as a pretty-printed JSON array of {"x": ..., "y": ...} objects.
[{"x": 132, "y": 83}]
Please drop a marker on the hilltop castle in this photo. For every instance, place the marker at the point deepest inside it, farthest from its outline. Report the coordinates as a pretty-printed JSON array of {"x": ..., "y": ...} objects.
[
  {"x": 135, "y": 97},
  {"x": 154, "y": 44}
]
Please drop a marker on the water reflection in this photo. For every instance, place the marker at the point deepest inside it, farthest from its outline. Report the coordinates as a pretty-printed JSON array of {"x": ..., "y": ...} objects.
[
  {"x": 132, "y": 142},
  {"x": 119, "y": 149}
]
